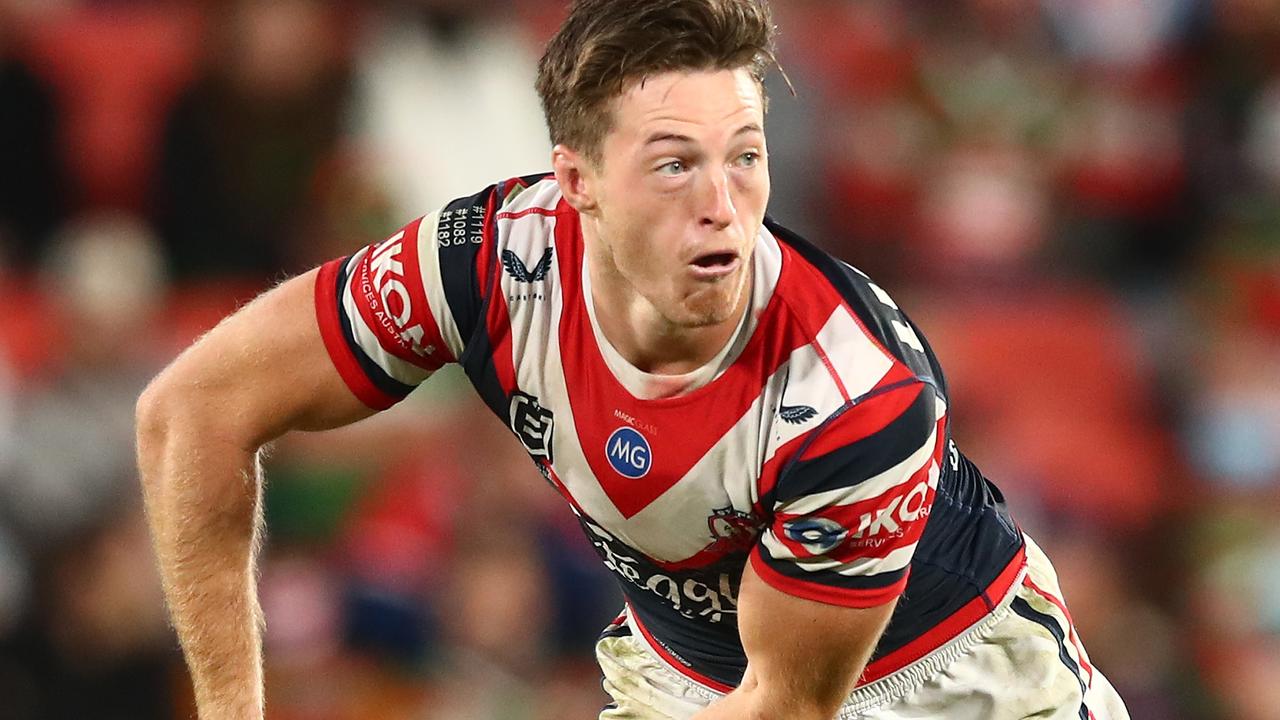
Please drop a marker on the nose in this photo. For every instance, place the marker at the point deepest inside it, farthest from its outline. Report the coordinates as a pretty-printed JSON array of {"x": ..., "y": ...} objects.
[{"x": 717, "y": 208}]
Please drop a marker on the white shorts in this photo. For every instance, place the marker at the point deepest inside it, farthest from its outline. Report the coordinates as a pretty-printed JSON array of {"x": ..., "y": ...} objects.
[{"x": 1022, "y": 660}]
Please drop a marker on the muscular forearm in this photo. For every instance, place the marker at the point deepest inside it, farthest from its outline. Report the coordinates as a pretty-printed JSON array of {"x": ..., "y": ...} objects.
[{"x": 202, "y": 497}]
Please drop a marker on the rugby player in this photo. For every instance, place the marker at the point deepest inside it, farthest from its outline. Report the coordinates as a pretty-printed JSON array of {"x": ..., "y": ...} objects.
[{"x": 755, "y": 438}]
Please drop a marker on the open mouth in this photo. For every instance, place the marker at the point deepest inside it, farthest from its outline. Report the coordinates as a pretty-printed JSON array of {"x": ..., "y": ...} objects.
[
  {"x": 715, "y": 266},
  {"x": 715, "y": 261}
]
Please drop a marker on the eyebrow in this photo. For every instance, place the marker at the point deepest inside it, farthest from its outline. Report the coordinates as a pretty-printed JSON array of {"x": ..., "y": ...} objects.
[{"x": 676, "y": 137}]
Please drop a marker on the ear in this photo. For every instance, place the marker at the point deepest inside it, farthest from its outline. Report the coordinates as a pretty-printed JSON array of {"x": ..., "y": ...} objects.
[{"x": 577, "y": 177}]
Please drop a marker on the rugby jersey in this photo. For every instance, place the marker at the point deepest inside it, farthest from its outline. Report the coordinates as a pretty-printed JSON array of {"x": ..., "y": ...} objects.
[{"x": 818, "y": 448}]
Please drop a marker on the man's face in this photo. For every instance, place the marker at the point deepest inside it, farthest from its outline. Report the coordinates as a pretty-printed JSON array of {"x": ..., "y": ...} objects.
[{"x": 681, "y": 191}]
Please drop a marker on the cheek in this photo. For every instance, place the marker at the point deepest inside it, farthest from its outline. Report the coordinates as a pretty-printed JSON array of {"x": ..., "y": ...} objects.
[
  {"x": 632, "y": 248},
  {"x": 754, "y": 194}
]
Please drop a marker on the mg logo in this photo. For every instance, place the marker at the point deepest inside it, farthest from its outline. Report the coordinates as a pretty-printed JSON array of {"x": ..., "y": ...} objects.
[{"x": 629, "y": 453}]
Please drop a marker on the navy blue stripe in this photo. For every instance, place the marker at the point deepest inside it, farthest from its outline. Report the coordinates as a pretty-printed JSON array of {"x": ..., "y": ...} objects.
[
  {"x": 830, "y": 578},
  {"x": 857, "y": 462},
  {"x": 1023, "y": 608},
  {"x": 372, "y": 370},
  {"x": 477, "y": 363},
  {"x": 459, "y": 257},
  {"x": 874, "y": 314}
]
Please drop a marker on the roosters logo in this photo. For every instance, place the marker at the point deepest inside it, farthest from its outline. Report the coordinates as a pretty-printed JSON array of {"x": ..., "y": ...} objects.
[{"x": 733, "y": 530}]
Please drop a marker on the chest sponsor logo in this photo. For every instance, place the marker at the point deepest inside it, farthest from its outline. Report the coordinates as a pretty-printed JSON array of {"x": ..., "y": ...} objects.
[
  {"x": 797, "y": 414},
  {"x": 628, "y": 453},
  {"x": 709, "y": 594},
  {"x": 533, "y": 424},
  {"x": 516, "y": 268}
]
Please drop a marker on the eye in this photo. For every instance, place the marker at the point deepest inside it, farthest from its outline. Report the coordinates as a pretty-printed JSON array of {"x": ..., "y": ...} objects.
[
  {"x": 748, "y": 159},
  {"x": 673, "y": 168}
]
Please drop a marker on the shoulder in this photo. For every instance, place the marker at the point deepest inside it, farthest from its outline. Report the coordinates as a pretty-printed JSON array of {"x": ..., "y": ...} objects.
[
  {"x": 470, "y": 220},
  {"x": 477, "y": 234},
  {"x": 855, "y": 322}
]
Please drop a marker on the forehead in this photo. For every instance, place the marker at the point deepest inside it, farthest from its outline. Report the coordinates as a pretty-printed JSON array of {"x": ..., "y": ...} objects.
[{"x": 689, "y": 101}]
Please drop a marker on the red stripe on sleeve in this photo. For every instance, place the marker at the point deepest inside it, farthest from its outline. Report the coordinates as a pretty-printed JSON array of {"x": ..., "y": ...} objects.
[
  {"x": 344, "y": 360},
  {"x": 827, "y": 594},
  {"x": 864, "y": 420},
  {"x": 487, "y": 258},
  {"x": 387, "y": 287},
  {"x": 498, "y": 323},
  {"x": 877, "y": 526},
  {"x": 422, "y": 316}
]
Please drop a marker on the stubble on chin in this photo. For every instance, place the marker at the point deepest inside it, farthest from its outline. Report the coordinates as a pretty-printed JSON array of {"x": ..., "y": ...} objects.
[{"x": 714, "y": 305}]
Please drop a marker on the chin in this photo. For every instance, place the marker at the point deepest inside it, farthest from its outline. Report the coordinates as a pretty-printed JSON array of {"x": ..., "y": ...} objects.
[
  {"x": 694, "y": 319},
  {"x": 708, "y": 308}
]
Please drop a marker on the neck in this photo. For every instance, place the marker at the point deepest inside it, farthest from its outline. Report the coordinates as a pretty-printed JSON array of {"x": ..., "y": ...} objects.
[{"x": 642, "y": 336}]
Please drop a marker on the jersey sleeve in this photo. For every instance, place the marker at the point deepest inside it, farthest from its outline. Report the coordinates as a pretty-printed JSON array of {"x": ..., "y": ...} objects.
[
  {"x": 398, "y": 310},
  {"x": 850, "y": 508}
]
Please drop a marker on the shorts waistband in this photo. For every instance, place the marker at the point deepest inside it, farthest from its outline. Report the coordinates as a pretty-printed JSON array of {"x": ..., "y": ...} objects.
[{"x": 899, "y": 673}]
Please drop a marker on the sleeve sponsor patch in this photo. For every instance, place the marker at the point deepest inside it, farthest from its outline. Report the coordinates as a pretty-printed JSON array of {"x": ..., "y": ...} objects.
[
  {"x": 387, "y": 289},
  {"x": 847, "y": 519}
]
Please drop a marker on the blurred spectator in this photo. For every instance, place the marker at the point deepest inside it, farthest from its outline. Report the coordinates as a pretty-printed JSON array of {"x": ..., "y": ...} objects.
[
  {"x": 116, "y": 67},
  {"x": 243, "y": 145},
  {"x": 110, "y": 651},
  {"x": 1262, "y": 144},
  {"x": 32, "y": 185},
  {"x": 446, "y": 104},
  {"x": 73, "y": 454},
  {"x": 1233, "y": 603},
  {"x": 1128, "y": 215},
  {"x": 1235, "y": 425},
  {"x": 15, "y": 582},
  {"x": 1108, "y": 601},
  {"x": 984, "y": 215},
  {"x": 1117, "y": 33}
]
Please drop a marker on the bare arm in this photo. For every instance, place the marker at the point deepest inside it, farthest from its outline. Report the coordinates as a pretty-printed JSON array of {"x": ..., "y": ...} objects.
[
  {"x": 803, "y": 657},
  {"x": 261, "y": 372}
]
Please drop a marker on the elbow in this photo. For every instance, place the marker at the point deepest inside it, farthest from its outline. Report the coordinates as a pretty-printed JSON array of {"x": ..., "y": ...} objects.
[
  {"x": 148, "y": 412},
  {"x": 154, "y": 418},
  {"x": 171, "y": 411},
  {"x": 151, "y": 421}
]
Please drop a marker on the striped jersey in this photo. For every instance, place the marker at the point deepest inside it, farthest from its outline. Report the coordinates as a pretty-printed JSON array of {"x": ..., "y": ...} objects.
[{"x": 816, "y": 446}]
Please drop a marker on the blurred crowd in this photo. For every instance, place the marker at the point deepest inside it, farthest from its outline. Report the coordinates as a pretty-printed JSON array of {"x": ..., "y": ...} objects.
[{"x": 1078, "y": 201}]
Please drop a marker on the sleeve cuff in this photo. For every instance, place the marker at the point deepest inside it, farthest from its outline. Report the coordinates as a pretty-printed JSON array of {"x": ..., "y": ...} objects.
[
  {"x": 336, "y": 343},
  {"x": 827, "y": 594}
]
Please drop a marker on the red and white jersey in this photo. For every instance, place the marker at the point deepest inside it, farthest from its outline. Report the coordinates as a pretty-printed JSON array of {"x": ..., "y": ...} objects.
[{"x": 816, "y": 446}]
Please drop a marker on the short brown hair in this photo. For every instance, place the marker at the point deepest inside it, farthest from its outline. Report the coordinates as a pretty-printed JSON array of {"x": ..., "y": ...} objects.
[{"x": 604, "y": 45}]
